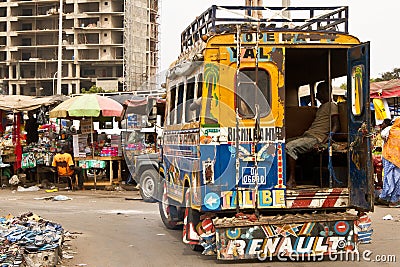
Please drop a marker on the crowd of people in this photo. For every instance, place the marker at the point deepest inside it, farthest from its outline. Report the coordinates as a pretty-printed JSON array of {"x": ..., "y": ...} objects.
[{"x": 387, "y": 163}]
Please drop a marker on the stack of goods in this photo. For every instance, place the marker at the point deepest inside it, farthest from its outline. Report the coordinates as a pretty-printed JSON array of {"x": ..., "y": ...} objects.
[
  {"x": 109, "y": 152},
  {"x": 113, "y": 148},
  {"x": 116, "y": 145},
  {"x": 135, "y": 147},
  {"x": 89, "y": 164},
  {"x": 7, "y": 148},
  {"x": 24, "y": 238},
  {"x": 36, "y": 155}
]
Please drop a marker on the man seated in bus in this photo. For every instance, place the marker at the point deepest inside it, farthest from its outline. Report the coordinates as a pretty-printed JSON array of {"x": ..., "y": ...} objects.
[{"x": 317, "y": 133}]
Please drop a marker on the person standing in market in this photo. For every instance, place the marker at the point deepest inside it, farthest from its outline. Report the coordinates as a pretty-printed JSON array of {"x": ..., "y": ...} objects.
[
  {"x": 391, "y": 165},
  {"x": 66, "y": 167},
  {"x": 377, "y": 153},
  {"x": 31, "y": 128}
]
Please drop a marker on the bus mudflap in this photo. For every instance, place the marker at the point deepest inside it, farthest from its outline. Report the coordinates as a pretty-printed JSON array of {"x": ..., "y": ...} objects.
[
  {"x": 297, "y": 236},
  {"x": 363, "y": 229}
]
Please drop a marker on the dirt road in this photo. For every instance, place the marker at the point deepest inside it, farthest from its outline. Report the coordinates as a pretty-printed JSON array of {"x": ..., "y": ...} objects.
[{"x": 116, "y": 230}]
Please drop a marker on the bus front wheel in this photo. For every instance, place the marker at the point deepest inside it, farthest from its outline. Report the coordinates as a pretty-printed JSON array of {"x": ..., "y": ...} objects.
[{"x": 167, "y": 210}]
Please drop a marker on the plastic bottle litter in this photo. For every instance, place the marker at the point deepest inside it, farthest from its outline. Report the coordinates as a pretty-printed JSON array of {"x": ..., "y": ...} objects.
[
  {"x": 61, "y": 198},
  {"x": 387, "y": 217}
]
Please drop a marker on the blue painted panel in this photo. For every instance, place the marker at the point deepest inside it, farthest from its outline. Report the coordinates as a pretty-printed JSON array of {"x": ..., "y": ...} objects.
[{"x": 223, "y": 158}]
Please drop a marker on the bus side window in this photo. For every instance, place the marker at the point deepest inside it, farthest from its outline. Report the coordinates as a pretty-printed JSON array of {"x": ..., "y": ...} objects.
[
  {"x": 304, "y": 96},
  {"x": 189, "y": 99},
  {"x": 199, "y": 93},
  {"x": 179, "y": 107},
  {"x": 172, "y": 109}
]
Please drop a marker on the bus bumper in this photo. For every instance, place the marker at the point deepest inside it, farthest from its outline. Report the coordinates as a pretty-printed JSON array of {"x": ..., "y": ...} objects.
[{"x": 296, "y": 237}]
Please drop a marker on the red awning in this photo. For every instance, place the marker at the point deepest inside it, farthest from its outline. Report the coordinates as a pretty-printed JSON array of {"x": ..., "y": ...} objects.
[{"x": 385, "y": 89}]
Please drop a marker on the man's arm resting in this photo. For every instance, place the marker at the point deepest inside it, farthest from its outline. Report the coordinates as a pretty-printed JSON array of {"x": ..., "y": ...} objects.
[{"x": 335, "y": 126}]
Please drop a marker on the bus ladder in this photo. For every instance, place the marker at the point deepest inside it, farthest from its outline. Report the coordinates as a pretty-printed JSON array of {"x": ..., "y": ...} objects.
[{"x": 256, "y": 136}]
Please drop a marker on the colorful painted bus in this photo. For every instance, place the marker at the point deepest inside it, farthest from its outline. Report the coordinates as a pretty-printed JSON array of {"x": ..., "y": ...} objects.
[{"x": 233, "y": 101}]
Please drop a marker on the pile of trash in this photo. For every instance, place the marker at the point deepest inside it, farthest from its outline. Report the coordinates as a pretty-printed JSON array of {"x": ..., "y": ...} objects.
[{"x": 29, "y": 239}]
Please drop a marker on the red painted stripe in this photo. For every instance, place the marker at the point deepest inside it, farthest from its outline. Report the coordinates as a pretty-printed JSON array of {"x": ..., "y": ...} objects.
[
  {"x": 331, "y": 199},
  {"x": 303, "y": 200}
]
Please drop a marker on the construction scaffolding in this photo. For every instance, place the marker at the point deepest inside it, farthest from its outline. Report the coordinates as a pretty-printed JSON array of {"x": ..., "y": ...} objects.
[
  {"x": 78, "y": 43},
  {"x": 141, "y": 44}
]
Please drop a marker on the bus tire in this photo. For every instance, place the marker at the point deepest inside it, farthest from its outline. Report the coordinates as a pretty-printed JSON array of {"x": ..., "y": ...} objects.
[
  {"x": 149, "y": 185},
  {"x": 191, "y": 215},
  {"x": 198, "y": 248},
  {"x": 164, "y": 208}
]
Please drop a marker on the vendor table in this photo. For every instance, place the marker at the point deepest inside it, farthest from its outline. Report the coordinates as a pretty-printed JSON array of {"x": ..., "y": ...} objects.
[
  {"x": 118, "y": 179},
  {"x": 2, "y": 165},
  {"x": 39, "y": 164}
]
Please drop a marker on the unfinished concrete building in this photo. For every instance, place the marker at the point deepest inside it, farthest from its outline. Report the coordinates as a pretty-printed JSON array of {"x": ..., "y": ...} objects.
[
  {"x": 142, "y": 20},
  {"x": 92, "y": 44}
]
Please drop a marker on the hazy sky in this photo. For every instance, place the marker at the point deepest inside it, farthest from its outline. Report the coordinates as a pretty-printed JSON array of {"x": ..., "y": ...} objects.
[{"x": 374, "y": 21}]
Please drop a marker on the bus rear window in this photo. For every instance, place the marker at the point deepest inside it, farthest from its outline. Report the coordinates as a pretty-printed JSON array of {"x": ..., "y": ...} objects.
[{"x": 249, "y": 93}]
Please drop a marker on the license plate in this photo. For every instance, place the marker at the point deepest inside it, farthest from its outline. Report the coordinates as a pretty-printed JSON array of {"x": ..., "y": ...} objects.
[{"x": 249, "y": 176}]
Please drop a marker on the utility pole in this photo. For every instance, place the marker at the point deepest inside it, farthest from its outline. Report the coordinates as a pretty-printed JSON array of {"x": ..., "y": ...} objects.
[
  {"x": 258, "y": 13},
  {"x": 285, "y": 4},
  {"x": 255, "y": 13},
  {"x": 59, "y": 60}
]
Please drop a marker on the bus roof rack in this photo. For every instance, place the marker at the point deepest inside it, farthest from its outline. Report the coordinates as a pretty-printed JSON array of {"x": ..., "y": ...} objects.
[{"x": 327, "y": 19}]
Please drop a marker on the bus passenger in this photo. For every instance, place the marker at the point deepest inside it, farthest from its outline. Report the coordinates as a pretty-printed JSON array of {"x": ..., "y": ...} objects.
[{"x": 317, "y": 133}]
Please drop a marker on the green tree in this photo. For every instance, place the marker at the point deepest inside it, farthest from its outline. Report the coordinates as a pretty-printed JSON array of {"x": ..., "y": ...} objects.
[
  {"x": 93, "y": 90},
  {"x": 390, "y": 75}
]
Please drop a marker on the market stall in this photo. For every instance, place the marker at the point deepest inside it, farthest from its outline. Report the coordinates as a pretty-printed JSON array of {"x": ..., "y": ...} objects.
[
  {"x": 91, "y": 151},
  {"x": 14, "y": 144},
  {"x": 385, "y": 97}
]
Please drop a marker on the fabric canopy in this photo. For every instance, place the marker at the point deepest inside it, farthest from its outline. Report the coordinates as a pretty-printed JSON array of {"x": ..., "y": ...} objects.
[
  {"x": 88, "y": 105},
  {"x": 19, "y": 103},
  {"x": 139, "y": 105},
  {"x": 385, "y": 89},
  {"x": 121, "y": 98}
]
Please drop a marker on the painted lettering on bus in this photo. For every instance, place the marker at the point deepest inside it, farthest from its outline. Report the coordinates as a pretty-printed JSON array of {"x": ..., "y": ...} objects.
[
  {"x": 266, "y": 198},
  {"x": 247, "y": 134},
  {"x": 252, "y": 37},
  {"x": 274, "y": 246},
  {"x": 249, "y": 53},
  {"x": 270, "y": 37},
  {"x": 307, "y": 37}
]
